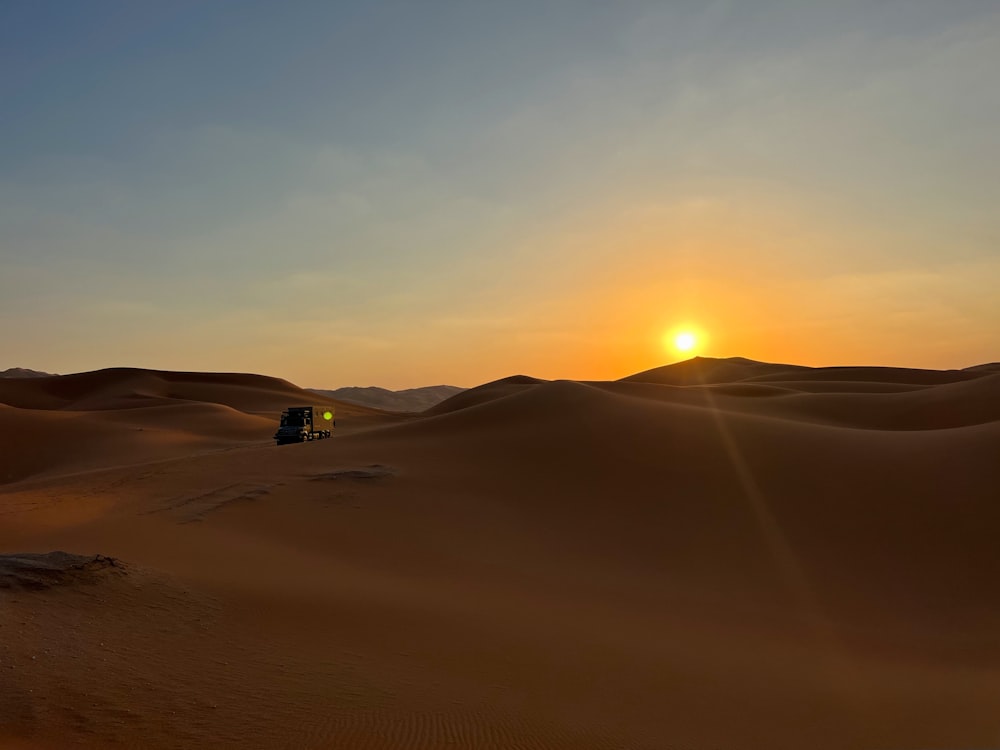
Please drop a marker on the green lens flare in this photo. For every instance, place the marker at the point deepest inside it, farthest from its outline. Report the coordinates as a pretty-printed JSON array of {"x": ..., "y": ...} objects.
[{"x": 328, "y": 415}]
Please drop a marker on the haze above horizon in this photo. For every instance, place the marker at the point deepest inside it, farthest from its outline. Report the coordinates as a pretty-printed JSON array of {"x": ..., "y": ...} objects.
[{"x": 404, "y": 194}]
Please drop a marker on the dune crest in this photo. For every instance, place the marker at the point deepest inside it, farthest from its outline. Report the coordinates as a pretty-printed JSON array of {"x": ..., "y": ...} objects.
[{"x": 23, "y": 372}]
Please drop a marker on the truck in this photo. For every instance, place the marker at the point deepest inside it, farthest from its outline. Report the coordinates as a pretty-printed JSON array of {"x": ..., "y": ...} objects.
[{"x": 300, "y": 424}]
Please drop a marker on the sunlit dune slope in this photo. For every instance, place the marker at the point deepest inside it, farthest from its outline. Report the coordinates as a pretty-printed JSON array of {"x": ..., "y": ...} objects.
[{"x": 123, "y": 415}]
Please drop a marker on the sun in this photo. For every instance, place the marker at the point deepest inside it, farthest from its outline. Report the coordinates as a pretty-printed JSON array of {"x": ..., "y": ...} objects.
[{"x": 683, "y": 340}]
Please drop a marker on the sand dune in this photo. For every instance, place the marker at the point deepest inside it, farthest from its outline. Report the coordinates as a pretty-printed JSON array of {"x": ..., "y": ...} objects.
[
  {"x": 120, "y": 388},
  {"x": 408, "y": 400},
  {"x": 719, "y": 553},
  {"x": 486, "y": 392},
  {"x": 706, "y": 371},
  {"x": 127, "y": 416},
  {"x": 22, "y": 372}
]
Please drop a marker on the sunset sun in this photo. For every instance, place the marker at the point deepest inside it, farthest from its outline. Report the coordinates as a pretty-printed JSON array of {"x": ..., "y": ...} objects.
[{"x": 685, "y": 341}]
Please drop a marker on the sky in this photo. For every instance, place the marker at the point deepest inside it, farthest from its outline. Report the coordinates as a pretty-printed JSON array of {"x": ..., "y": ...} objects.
[{"x": 412, "y": 193}]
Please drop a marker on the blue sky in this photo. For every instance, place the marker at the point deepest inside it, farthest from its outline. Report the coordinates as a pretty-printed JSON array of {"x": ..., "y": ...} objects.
[{"x": 400, "y": 193}]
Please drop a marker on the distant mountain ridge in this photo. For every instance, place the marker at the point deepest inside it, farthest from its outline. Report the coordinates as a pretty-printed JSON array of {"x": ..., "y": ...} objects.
[{"x": 407, "y": 400}]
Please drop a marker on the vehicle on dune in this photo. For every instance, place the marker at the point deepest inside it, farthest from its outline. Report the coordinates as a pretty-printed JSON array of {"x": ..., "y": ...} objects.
[{"x": 301, "y": 424}]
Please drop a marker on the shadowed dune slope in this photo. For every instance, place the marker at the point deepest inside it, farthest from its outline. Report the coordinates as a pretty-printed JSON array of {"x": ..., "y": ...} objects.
[
  {"x": 901, "y": 375},
  {"x": 408, "y": 400},
  {"x": 868, "y": 406},
  {"x": 486, "y": 392},
  {"x": 40, "y": 571},
  {"x": 705, "y": 370},
  {"x": 22, "y": 372},
  {"x": 56, "y": 441},
  {"x": 118, "y": 388},
  {"x": 989, "y": 367},
  {"x": 709, "y": 371}
]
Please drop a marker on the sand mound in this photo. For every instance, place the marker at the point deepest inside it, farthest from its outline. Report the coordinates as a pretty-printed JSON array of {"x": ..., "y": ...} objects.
[
  {"x": 705, "y": 370},
  {"x": 486, "y": 392},
  {"x": 369, "y": 472},
  {"x": 988, "y": 367},
  {"x": 45, "y": 570}
]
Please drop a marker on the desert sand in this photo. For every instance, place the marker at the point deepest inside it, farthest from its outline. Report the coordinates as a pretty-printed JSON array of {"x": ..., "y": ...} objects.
[
  {"x": 712, "y": 554},
  {"x": 407, "y": 400}
]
